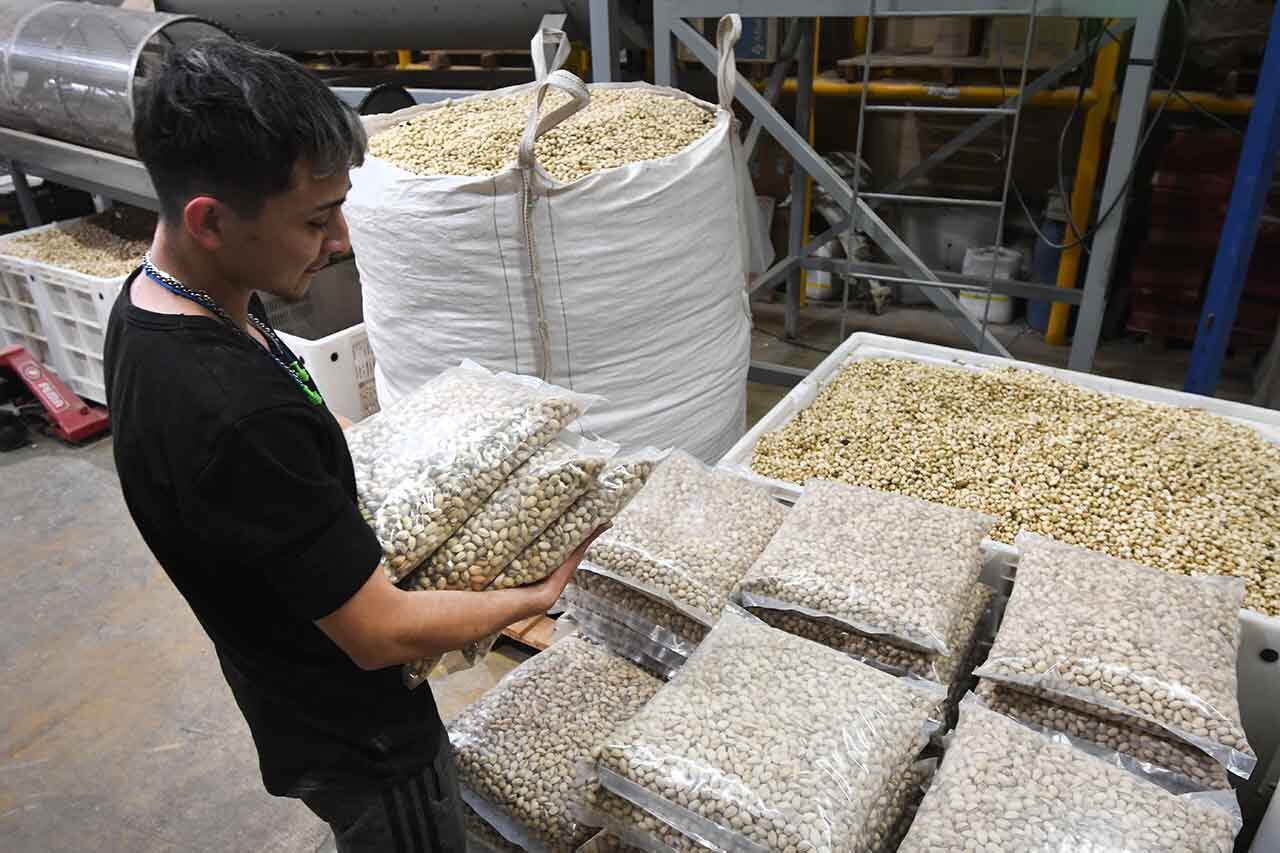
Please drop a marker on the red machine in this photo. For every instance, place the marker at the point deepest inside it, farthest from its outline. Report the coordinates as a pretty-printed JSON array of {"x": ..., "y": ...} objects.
[{"x": 69, "y": 417}]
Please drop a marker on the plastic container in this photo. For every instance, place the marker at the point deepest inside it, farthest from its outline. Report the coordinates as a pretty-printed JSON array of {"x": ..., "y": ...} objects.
[
  {"x": 75, "y": 308},
  {"x": 979, "y": 262},
  {"x": 1257, "y": 666},
  {"x": 19, "y": 318},
  {"x": 818, "y": 284},
  {"x": 326, "y": 330},
  {"x": 941, "y": 236},
  {"x": 65, "y": 313}
]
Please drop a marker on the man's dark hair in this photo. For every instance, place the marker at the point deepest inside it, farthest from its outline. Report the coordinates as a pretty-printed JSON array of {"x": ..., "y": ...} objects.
[{"x": 232, "y": 121}]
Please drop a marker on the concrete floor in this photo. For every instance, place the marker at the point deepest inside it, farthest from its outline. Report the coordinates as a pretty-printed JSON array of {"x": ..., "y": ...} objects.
[{"x": 117, "y": 731}]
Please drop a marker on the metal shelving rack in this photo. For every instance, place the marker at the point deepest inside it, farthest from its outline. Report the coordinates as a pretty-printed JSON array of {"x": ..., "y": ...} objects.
[{"x": 1147, "y": 20}]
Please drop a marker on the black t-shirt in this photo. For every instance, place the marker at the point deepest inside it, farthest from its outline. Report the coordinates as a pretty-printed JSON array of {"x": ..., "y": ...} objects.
[{"x": 244, "y": 491}]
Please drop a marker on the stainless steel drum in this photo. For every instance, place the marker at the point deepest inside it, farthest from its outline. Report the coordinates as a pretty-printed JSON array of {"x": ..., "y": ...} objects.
[{"x": 74, "y": 71}]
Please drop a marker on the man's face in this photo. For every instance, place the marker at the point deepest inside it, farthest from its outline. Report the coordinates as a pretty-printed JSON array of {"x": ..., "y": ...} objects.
[{"x": 281, "y": 249}]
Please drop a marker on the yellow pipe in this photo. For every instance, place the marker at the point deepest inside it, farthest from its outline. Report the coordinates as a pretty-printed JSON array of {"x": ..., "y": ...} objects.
[
  {"x": 1087, "y": 166},
  {"x": 404, "y": 58},
  {"x": 881, "y": 90},
  {"x": 808, "y": 181},
  {"x": 1240, "y": 105}
]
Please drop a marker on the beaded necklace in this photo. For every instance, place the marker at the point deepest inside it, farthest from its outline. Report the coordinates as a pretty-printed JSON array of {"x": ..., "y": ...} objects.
[{"x": 275, "y": 349}]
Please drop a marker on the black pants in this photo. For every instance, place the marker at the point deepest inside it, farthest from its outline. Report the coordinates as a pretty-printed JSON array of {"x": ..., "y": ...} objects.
[{"x": 417, "y": 814}]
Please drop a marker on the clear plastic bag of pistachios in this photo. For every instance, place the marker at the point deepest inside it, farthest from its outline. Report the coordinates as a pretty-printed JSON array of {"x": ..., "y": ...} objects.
[
  {"x": 736, "y": 767},
  {"x": 881, "y": 564},
  {"x": 617, "y": 484},
  {"x": 607, "y": 842},
  {"x": 896, "y": 658},
  {"x": 519, "y": 746},
  {"x": 416, "y": 674},
  {"x": 688, "y": 536},
  {"x": 655, "y": 659},
  {"x": 425, "y": 464},
  {"x": 533, "y": 497},
  {"x": 540, "y": 489},
  {"x": 1107, "y": 731},
  {"x": 482, "y": 837},
  {"x": 1156, "y": 648},
  {"x": 1012, "y": 789},
  {"x": 595, "y": 591}
]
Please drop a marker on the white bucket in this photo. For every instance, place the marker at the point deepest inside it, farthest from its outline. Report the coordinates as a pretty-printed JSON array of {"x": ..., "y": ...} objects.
[
  {"x": 979, "y": 263},
  {"x": 820, "y": 285}
]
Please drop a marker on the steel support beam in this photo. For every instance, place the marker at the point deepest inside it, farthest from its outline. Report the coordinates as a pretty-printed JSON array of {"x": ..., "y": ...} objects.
[
  {"x": 900, "y": 253},
  {"x": 664, "y": 55},
  {"x": 892, "y": 8},
  {"x": 1122, "y": 160},
  {"x": 110, "y": 175},
  {"x": 26, "y": 201},
  {"x": 773, "y": 86},
  {"x": 1042, "y": 83},
  {"x": 796, "y": 238},
  {"x": 604, "y": 42},
  {"x": 1240, "y": 230},
  {"x": 808, "y": 160},
  {"x": 947, "y": 280}
]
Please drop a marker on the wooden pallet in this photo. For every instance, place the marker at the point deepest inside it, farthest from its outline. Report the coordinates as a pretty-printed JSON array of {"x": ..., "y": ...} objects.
[{"x": 535, "y": 632}]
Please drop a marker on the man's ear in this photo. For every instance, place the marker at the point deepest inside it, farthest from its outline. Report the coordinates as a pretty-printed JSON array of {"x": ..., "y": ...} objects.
[{"x": 205, "y": 220}]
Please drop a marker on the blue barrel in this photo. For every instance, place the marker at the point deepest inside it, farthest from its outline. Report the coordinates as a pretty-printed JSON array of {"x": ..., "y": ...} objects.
[{"x": 1044, "y": 266}]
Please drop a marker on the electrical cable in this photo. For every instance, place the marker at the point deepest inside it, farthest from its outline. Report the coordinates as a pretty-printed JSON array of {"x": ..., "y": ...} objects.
[
  {"x": 1086, "y": 81},
  {"x": 1082, "y": 239},
  {"x": 1177, "y": 93}
]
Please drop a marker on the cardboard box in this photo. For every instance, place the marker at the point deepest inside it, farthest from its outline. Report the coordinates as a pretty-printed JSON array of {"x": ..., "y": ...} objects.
[
  {"x": 940, "y": 36},
  {"x": 906, "y": 35},
  {"x": 955, "y": 37},
  {"x": 1055, "y": 40}
]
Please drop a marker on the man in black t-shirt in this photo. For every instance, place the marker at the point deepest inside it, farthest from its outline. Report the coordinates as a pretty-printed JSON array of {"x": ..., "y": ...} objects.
[{"x": 239, "y": 478}]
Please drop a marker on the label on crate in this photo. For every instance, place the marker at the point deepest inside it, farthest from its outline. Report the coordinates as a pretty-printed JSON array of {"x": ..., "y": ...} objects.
[{"x": 362, "y": 356}]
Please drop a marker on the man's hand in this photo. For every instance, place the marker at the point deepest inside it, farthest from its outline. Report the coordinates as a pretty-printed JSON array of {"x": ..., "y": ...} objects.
[
  {"x": 547, "y": 590},
  {"x": 382, "y": 625}
]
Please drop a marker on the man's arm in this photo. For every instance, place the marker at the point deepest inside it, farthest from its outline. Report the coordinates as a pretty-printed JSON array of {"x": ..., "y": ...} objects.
[{"x": 383, "y": 625}]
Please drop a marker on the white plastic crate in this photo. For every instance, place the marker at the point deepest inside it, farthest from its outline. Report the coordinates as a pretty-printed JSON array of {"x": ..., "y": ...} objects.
[
  {"x": 1259, "y": 678},
  {"x": 327, "y": 331},
  {"x": 19, "y": 318},
  {"x": 69, "y": 317}
]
